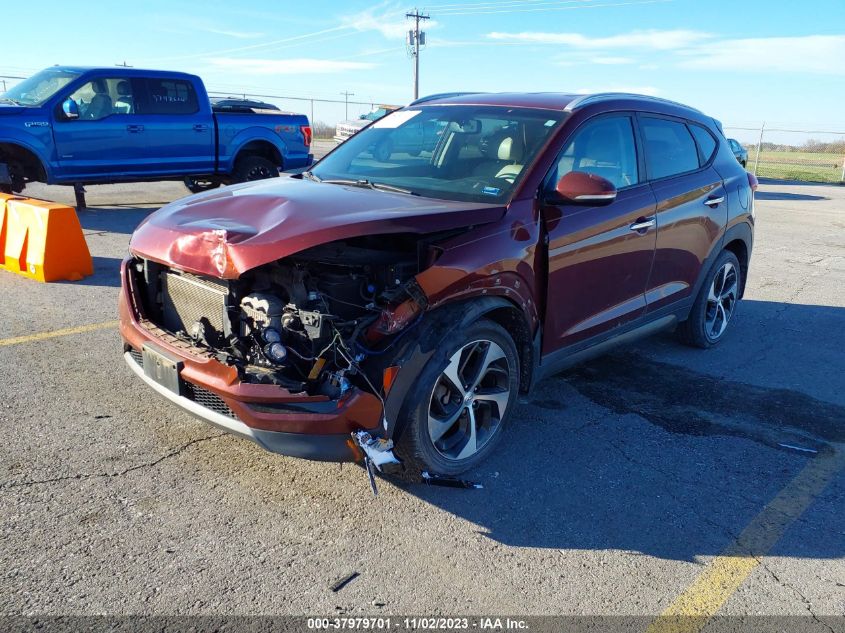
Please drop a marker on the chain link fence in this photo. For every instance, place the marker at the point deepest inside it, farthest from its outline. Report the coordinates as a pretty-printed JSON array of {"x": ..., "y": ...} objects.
[{"x": 793, "y": 154}]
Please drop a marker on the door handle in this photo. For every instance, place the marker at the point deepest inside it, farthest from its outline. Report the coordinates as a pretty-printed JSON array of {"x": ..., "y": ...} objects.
[
  {"x": 199, "y": 127},
  {"x": 714, "y": 202},
  {"x": 135, "y": 128},
  {"x": 642, "y": 224}
]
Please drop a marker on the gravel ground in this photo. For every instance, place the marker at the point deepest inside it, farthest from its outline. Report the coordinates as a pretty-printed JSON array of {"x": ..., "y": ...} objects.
[{"x": 614, "y": 487}]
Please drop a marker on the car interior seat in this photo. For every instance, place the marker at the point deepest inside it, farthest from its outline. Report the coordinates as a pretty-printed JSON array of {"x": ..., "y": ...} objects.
[
  {"x": 124, "y": 104},
  {"x": 602, "y": 155},
  {"x": 101, "y": 103}
]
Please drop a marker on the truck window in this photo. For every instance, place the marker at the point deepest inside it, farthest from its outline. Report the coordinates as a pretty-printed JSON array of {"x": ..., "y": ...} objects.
[
  {"x": 103, "y": 97},
  {"x": 168, "y": 96}
]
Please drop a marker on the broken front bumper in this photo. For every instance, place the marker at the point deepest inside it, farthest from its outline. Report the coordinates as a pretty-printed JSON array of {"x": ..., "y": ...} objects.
[
  {"x": 298, "y": 425},
  {"x": 334, "y": 448}
]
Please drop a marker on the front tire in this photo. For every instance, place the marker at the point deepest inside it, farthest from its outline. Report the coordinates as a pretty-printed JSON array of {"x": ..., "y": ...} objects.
[
  {"x": 461, "y": 402},
  {"x": 251, "y": 168},
  {"x": 715, "y": 304}
]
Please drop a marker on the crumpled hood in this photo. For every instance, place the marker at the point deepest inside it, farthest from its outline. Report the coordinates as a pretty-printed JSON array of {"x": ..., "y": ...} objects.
[{"x": 226, "y": 232}]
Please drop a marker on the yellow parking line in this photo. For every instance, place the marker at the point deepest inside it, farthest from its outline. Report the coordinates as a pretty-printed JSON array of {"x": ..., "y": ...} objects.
[
  {"x": 31, "y": 338},
  {"x": 691, "y": 611}
]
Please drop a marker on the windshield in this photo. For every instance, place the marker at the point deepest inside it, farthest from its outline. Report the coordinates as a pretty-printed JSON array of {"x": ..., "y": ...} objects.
[
  {"x": 40, "y": 87},
  {"x": 467, "y": 153}
]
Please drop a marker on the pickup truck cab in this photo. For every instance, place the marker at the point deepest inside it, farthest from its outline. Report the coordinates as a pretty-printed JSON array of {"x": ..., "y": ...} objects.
[{"x": 70, "y": 125}]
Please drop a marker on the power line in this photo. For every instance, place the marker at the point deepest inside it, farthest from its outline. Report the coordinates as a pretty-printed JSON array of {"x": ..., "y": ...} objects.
[
  {"x": 346, "y": 94},
  {"x": 578, "y": 4}
]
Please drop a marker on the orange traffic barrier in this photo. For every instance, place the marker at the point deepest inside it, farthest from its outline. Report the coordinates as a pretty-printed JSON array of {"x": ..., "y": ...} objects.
[{"x": 42, "y": 240}]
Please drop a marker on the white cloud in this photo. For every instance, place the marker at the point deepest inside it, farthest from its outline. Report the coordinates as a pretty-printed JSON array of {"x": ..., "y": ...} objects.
[
  {"x": 611, "y": 61},
  {"x": 240, "y": 35},
  {"x": 387, "y": 18},
  {"x": 656, "y": 40},
  {"x": 640, "y": 90},
  {"x": 819, "y": 54},
  {"x": 298, "y": 66}
]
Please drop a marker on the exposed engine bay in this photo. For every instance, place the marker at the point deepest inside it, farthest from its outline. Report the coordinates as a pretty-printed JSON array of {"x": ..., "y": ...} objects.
[{"x": 305, "y": 322}]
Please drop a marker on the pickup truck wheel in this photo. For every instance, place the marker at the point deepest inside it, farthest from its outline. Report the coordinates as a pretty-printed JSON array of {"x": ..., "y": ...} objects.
[
  {"x": 254, "y": 168},
  {"x": 198, "y": 185},
  {"x": 715, "y": 305},
  {"x": 461, "y": 402}
]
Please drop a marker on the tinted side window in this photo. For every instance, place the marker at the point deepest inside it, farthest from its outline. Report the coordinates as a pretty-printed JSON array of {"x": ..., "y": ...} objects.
[
  {"x": 604, "y": 147},
  {"x": 669, "y": 148},
  {"x": 169, "y": 96},
  {"x": 706, "y": 143}
]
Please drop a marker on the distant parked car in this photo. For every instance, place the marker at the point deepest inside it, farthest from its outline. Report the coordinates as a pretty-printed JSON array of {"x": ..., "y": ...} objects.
[
  {"x": 69, "y": 125},
  {"x": 739, "y": 151},
  {"x": 347, "y": 128}
]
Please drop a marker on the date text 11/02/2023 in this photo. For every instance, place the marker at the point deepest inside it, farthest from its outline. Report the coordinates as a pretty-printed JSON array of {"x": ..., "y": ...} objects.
[{"x": 416, "y": 623}]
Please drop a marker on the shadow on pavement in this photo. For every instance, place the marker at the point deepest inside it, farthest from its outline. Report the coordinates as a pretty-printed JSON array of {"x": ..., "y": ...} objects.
[
  {"x": 106, "y": 274},
  {"x": 113, "y": 219},
  {"x": 779, "y": 195},
  {"x": 658, "y": 458}
]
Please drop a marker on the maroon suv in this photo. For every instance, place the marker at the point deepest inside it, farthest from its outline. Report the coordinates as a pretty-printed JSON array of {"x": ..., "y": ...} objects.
[{"x": 434, "y": 266}]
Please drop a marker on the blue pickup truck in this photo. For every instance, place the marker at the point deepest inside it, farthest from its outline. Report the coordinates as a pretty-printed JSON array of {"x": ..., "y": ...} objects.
[{"x": 68, "y": 125}]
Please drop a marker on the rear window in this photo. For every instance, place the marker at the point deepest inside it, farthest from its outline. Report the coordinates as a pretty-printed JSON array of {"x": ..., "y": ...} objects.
[
  {"x": 169, "y": 96},
  {"x": 669, "y": 148},
  {"x": 706, "y": 143}
]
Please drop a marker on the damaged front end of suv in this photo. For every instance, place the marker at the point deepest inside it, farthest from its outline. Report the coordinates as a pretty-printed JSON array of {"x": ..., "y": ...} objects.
[{"x": 372, "y": 299}]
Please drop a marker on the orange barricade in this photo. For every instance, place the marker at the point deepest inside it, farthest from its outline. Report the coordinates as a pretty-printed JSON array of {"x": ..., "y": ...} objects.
[{"x": 42, "y": 240}]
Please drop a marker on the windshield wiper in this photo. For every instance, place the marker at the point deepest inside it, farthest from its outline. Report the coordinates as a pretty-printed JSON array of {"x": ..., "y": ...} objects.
[
  {"x": 368, "y": 184},
  {"x": 310, "y": 176},
  {"x": 12, "y": 101}
]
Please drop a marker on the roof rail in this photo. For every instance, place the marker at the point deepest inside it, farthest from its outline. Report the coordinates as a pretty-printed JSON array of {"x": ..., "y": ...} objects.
[
  {"x": 441, "y": 95},
  {"x": 602, "y": 96}
]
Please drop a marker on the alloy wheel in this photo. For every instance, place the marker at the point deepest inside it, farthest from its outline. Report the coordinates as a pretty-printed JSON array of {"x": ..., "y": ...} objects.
[
  {"x": 469, "y": 400},
  {"x": 721, "y": 301}
]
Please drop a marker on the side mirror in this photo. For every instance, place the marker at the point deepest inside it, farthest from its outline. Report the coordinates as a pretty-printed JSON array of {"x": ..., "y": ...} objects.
[
  {"x": 70, "y": 109},
  {"x": 579, "y": 187}
]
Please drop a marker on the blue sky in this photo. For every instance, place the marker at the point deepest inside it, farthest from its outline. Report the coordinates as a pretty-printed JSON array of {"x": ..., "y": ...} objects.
[{"x": 742, "y": 62}]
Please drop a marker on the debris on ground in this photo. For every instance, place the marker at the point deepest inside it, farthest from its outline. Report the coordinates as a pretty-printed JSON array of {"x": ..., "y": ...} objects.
[
  {"x": 341, "y": 582},
  {"x": 449, "y": 482}
]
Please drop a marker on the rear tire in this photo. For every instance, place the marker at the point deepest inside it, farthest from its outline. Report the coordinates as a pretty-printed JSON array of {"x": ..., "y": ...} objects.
[
  {"x": 452, "y": 428},
  {"x": 251, "y": 168},
  {"x": 715, "y": 304}
]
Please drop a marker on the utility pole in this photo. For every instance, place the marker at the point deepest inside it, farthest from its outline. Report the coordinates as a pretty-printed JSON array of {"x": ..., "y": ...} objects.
[
  {"x": 124, "y": 64},
  {"x": 346, "y": 96},
  {"x": 415, "y": 38}
]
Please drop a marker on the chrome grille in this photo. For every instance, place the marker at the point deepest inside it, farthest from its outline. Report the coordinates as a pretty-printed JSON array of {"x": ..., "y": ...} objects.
[{"x": 187, "y": 299}]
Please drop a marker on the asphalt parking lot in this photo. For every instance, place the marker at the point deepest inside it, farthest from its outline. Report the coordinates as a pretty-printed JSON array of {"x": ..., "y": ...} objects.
[{"x": 654, "y": 478}]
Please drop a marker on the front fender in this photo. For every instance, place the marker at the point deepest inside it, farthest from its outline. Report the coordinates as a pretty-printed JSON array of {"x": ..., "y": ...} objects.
[
  {"x": 413, "y": 354},
  {"x": 39, "y": 143},
  {"x": 232, "y": 147}
]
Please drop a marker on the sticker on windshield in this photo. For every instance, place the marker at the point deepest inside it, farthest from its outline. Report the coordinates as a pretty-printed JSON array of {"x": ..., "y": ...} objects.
[
  {"x": 550, "y": 122},
  {"x": 396, "y": 119},
  {"x": 491, "y": 191}
]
